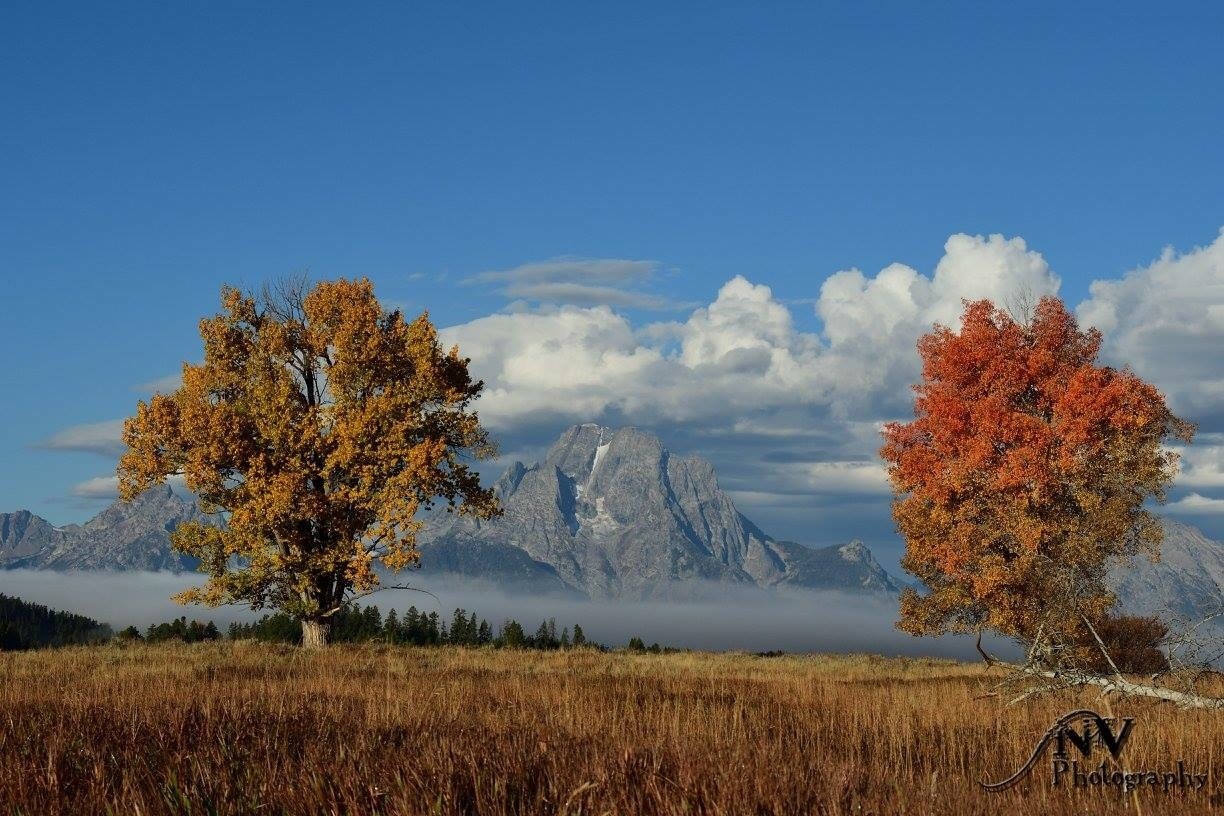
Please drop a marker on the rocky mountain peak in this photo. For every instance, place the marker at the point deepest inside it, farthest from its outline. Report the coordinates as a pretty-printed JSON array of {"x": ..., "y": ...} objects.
[
  {"x": 159, "y": 501},
  {"x": 611, "y": 512},
  {"x": 125, "y": 535},
  {"x": 856, "y": 551}
]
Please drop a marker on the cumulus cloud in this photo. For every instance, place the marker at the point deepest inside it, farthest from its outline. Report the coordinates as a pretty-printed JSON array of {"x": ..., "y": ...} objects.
[
  {"x": 741, "y": 355},
  {"x": 735, "y": 357},
  {"x": 568, "y": 361},
  {"x": 738, "y": 380},
  {"x": 105, "y": 438},
  {"x": 740, "y": 359},
  {"x": 1166, "y": 320},
  {"x": 1201, "y": 466},
  {"x": 873, "y": 323},
  {"x": 787, "y": 415},
  {"x": 579, "y": 281}
]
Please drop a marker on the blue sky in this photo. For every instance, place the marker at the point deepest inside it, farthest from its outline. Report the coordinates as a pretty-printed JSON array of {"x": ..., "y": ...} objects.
[{"x": 152, "y": 151}]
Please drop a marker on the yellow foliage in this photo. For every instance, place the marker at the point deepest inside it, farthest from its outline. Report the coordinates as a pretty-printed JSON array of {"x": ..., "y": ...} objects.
[{"x": 319, "y": 426}]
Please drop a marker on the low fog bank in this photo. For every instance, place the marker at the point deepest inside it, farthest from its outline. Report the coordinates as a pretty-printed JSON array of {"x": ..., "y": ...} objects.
[
  {"x": 118, "y": 598},
  {"x": 723, "y": 618}
]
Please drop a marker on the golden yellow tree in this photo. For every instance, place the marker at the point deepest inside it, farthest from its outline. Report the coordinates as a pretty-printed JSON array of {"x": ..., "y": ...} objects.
[{"x": 318, "y": 426}]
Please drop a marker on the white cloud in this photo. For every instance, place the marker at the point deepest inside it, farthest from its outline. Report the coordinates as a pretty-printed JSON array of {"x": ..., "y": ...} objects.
[
  {"x": 790, "y": 413},
  {"x": 572, "y": 361},
  {"x": 105, "y": 438},
  {"x": 744, "y": 317},
  {"x": 873, "y": 324},
  {"x": 107, "y": 487},
  {"x": 848, "y": 477},
  {"x": 1201, "y": 465},
  {"x": 736, "y": 356},
  {"x": 99, "y": 487},
  {"x": 1195, "y": 504},
  {"x": 997, "y": 268},
  {"x": 737, "y": 380},
  {"x": 1166, "y": 321},
  {"x": 162, "y": 385}
]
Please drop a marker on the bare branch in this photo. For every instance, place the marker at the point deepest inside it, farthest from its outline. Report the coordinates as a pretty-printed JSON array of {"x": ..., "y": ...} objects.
[
  {"x": 1120, "y": 685},
  {"x": 380, "y": 588},
  {"x": 989, "y": 658},
  {"x": 1021, "y": 304},
  {"x": 1117, "y": 672}
]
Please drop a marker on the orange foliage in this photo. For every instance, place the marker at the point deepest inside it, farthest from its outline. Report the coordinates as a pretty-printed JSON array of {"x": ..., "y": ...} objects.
[
  {"x": 1023, "y": 475},
  {"x": 319, "y": 426}
]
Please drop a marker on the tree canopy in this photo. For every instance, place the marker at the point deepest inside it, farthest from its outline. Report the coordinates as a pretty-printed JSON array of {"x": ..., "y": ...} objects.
[
  {"x": 1024, "y": 474},
  {"x": 318, "y": 426}
]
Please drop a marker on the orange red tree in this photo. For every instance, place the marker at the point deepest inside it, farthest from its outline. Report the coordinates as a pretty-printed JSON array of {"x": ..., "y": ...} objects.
[
  {"x": 318, "y": 426},
  {"x": 1023, "y": 475}
]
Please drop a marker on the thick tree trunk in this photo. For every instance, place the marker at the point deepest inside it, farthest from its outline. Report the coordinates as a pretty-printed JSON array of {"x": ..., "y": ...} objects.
[{"x": 316, "y": 633}]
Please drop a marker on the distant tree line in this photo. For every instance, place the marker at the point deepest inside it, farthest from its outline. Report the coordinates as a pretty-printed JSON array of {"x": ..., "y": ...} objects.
[
  {"x": 417, "y": 628},
  {"x": 178, "y": 629},
  {"x": 25, "y": 625},
  {"x": 636, "y": 644}
]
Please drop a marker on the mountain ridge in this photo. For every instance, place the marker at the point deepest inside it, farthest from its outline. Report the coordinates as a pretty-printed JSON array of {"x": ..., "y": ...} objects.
[
  {"x": 613, "y": 513},
  {"x": 607, "y": 513},
  {"x": 124, "y": 536}
]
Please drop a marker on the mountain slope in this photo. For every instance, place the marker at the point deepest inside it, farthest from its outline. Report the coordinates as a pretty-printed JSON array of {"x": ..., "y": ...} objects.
[
  {"x": 608, "y": 513},
  {"x": 26, "y": 538},
  {"x": 124, "y": 536},
  {"x": 1187, "y": 581},
  {"x": 612, "y": 513}
]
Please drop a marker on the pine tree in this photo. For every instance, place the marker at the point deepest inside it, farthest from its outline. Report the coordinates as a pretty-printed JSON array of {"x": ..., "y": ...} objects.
[
  {"x": 579, "y": 636},
  {"x": 371, "y": 623},
  {"x": 412, "y": 626},
  {"x": 459, "y": 634},
  {"x": 391, "y": 626},
  {"x": 434, "y": 632},
  {"x": 512, "y": 635}
]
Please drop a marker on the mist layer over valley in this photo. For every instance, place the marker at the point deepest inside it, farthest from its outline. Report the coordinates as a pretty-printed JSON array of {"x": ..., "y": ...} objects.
[{"x": 721, "y": 619}]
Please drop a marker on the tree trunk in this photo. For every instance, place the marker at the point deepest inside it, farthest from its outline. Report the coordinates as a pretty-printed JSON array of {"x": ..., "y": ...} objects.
[{"x": 315, "y": 633}]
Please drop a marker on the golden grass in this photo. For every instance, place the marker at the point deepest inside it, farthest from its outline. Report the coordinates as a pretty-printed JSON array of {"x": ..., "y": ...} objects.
[{"x": 252, "y": 728}]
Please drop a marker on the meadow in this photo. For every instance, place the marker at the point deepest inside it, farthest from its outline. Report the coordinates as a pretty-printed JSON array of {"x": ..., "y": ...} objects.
[{"x": 245, "y": 727}]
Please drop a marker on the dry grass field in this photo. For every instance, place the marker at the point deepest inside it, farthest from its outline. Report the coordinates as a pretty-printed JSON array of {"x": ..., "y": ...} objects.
[{"x": 250, "y": 728}]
